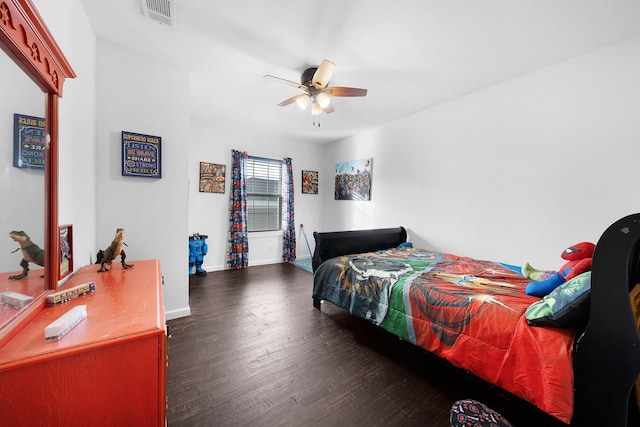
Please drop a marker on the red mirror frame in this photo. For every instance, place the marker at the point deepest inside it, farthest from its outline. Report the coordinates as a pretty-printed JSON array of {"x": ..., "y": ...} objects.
[{"x": 25, "y": 37}]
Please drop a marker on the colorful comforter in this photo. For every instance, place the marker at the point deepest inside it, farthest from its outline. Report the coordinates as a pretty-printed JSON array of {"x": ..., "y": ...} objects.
[{"x": 467, "y": 311}]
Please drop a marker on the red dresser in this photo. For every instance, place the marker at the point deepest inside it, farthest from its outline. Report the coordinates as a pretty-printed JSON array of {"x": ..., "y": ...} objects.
[{"x": 109, "y": 370}]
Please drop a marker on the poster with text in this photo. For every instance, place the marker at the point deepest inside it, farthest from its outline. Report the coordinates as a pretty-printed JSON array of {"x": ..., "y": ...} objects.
[
  {"x": 141, "y": 155},
  {"x": 29, "y": 141}
]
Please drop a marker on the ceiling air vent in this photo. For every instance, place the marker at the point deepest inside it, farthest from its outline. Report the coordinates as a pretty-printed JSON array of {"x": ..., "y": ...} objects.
[{"x": 163, "y": 11}]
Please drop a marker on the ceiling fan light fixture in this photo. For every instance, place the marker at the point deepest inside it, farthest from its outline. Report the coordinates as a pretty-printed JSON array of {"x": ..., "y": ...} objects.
[
  {"x": 314, "y": 83},
  {"x": 316, "y": 109},
  {"x": 323, "y": 100},
  {"x": 303, "y": 102}
]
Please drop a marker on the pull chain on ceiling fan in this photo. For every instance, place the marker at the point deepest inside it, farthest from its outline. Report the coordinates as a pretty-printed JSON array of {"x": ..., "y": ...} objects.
[{"x": 314, "y": 82}]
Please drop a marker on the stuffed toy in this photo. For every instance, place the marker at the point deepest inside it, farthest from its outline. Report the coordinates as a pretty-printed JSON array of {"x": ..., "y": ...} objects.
[{"x": 579, "y": 258}]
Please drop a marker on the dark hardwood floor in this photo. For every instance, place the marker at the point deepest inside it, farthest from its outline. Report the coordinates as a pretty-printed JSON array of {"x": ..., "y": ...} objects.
[{"x": 255, "y": 352}]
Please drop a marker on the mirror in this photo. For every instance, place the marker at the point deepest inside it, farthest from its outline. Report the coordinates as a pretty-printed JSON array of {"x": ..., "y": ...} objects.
[
  {"x": 33, "y": 60},
  {"x": 21, "y": 188}
]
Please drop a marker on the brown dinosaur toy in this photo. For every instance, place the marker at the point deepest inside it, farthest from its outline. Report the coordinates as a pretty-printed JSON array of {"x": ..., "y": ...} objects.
[
  {"x": 30, "y": 253},
  {"x": 111, "y": 253}
]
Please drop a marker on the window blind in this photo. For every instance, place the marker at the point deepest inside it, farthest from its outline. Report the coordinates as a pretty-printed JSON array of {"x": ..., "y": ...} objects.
[{"x": 264, "y": 182}]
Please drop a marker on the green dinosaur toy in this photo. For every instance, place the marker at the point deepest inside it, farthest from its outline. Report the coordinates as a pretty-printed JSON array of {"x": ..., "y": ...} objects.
[
  {"x": 30, "y": 253},
  {"x": 111, "y": 253}
]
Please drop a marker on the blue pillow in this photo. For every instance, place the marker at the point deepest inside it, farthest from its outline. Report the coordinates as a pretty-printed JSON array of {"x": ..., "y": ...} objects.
[{"x": 567, "y": 306}]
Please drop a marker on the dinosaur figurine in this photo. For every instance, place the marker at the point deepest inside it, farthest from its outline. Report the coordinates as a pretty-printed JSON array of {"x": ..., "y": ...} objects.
[
  {"x": 111, "y": 253},
  {"x": 30, "y": 253}
]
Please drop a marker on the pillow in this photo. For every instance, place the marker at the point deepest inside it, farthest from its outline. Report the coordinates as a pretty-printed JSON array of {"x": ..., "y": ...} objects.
[{"x": 567, "y": 306}]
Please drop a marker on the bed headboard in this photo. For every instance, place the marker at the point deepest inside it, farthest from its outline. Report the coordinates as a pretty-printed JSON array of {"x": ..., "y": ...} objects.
[
  {"x": 336, "y": 243},
  {"x": 607, "y": 357}
]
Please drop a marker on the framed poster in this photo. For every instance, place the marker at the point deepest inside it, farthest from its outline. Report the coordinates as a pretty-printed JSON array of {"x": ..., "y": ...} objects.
[
  {"x": 29, "y": 141},
  {"x": 141, "y": 155},
  {"x": 309, "y": 182},
  {"x": 212, "y": 177},
  {"x": 66, "y": 251},
  {"x": 353, "y": 180}
]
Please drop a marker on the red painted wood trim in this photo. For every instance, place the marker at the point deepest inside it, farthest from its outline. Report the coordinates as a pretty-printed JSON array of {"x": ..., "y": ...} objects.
[
  {"x": 51, "y": 193},
  {"x": 27, "y": 38}
]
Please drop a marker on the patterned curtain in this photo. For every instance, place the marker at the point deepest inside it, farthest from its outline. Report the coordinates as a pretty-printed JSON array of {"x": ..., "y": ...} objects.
[
  {"x": 288, "y": 224},
  {"x": 237, "y": 241}
]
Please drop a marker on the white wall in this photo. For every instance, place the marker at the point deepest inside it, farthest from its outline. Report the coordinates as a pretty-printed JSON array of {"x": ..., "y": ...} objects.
[
  {"x": 77, "y": 158},
  {"x": 120, "y": 90},
  {"x": 514, "y": 173},
  {"x": 208, "y": 212},
  {"x": 70, "y": 27},
  {"x": 138, "y": 94}
]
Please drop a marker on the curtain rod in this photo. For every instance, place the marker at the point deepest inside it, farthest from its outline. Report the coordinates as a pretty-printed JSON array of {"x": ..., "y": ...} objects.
[{"x": 266, "y": 159}]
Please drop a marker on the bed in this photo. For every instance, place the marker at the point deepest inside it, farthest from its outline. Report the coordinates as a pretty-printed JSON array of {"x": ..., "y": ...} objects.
[{"x": 473, "y": 314}]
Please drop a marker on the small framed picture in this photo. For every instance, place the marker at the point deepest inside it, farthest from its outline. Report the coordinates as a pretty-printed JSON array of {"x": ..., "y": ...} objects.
[
  {"x": 212, "y": 177},
  {"x": 66, "y": 251},
  {"x": 309, "y": 182}
]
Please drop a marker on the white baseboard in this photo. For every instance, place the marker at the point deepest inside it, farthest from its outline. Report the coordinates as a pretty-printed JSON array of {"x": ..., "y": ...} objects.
[
  {"x": 176, "y": 314},
  {"x": 211, "y": 268}
]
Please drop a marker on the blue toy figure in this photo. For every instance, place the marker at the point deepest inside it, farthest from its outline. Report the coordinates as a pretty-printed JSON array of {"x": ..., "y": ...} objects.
[{"x": 197, "y": 251}]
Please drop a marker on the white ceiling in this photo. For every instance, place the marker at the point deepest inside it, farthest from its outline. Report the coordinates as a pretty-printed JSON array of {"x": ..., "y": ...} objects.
[{"x": 410, "y": 54}]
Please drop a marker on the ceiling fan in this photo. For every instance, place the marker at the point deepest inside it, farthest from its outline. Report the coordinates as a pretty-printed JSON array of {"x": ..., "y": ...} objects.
[{"x": 314, "y": 82}]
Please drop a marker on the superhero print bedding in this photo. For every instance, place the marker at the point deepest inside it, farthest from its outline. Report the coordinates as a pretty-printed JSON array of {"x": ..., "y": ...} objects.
[
  {"x": 469, "y": 312},
  {"x": 575, "y": 353}
]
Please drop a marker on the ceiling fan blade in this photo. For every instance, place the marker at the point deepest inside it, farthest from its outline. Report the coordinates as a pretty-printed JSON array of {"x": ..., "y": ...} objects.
[
  {"x": 291, "y": 100},
  {"x": 287, "y": 82},
  {"x": 345, "y": 91},
  {"x": 323, "y": 74}
]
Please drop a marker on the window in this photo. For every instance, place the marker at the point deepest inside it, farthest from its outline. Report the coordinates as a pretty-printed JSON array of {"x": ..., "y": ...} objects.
[{"x": 264, "y": 193}]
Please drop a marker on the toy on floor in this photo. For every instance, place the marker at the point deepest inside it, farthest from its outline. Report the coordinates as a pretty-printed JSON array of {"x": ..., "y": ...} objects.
[
  {"x": 579, "y": 258},
  {"x": 197, "y": 250},
  {"x": 112, "y": 252},
  {"x": 30, "y": 253},
  {"x": 467, "y": 412}
]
